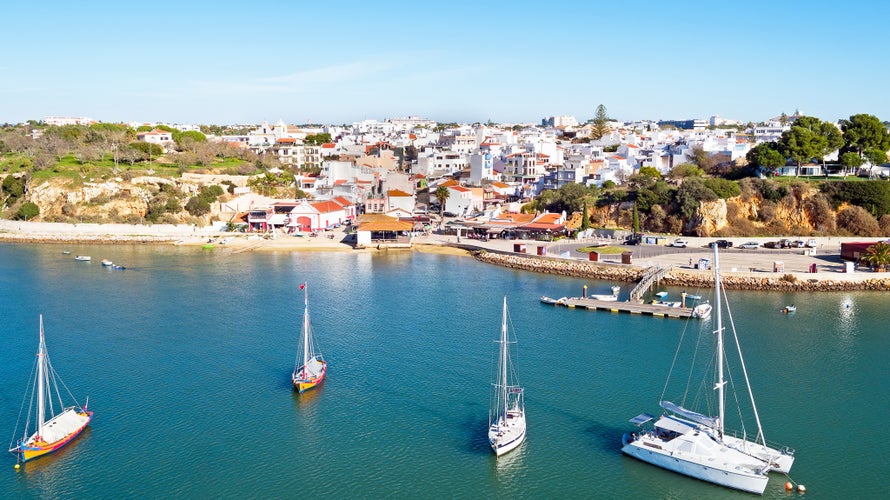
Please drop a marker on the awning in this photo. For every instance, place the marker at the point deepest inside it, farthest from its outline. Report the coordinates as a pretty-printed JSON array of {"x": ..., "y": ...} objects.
[
  {"x": 670, "y": 424},
  {"x": 641, "y": 419}
]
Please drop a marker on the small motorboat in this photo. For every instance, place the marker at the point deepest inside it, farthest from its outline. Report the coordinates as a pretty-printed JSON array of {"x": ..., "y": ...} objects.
[
  {"x": 661, "y": 295},
  {"x": 693, "y": 296},
  {"x": 82, "y": 258},
  {"x": 789, "y": 309},
  {"x": 606, "y": 298},
  {"x": 66, "y": 252},
  {"x": 701, "y": 311},
  {"x": 118, "y": 268},
  {"x": 548, "y": 300},
  {"x": 107, "y": 263}
]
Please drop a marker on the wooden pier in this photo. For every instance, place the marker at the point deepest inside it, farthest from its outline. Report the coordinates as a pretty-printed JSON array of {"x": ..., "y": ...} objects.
[{"x": 626, "y": 307}]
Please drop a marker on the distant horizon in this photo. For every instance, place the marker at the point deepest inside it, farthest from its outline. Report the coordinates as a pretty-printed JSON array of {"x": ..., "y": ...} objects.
[
  {"x": 581, "y": 122},
  {"x": 508, "y": 62}
]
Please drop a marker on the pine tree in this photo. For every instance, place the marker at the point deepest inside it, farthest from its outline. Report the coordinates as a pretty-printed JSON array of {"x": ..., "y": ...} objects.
[{"x": 600, "y": 123}]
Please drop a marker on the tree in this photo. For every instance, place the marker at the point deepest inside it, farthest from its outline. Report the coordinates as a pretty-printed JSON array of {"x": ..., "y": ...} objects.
[
  {"x": 851, "y": 161},
  {"x": 863, "y": 132},
  {"x": 442, "y": 194},
  {"x": 878, "y": 255},
  {"x": 569, "y": 198},
  {"x": 600, "y": 123},
  {"x": 685, "y": 170},
  {"x": 832, "y": 138},
  {"x": 766, "y": 155},
  {"x": 690, "y": 195},
  {"x": 801, "y": 145},
  {"x": 585, "y": 218},
  {"x": 703, "y": 159},
  {"x": 875, "y": 156},
  {"x": 14, "y": 188},
  {"x": 636, "y": 220}
]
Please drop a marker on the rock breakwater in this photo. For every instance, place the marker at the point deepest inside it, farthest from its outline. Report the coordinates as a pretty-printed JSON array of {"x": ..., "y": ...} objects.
[{"x": 682, "y": 278}]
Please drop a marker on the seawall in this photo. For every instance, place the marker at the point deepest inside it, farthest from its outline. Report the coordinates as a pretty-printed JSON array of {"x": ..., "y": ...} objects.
[{"x": 788, "y": 282}]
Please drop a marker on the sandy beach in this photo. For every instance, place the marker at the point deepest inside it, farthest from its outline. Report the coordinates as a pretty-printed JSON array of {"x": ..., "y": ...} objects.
[{"x": 760, "y": 263}]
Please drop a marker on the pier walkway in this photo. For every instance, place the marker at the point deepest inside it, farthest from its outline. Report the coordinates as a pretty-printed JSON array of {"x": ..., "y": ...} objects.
[
  {"x": 627, "y": 307},
  {"x": 653, "y": 275}
]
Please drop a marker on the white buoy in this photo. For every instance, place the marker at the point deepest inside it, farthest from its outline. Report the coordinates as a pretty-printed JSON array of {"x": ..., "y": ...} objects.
[{"x": 801, "y": 488}]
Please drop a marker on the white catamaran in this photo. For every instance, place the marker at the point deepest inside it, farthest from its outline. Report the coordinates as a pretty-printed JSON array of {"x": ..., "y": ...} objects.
[
  {"x": 310, "y": 367},
  {"x": 506, "y": 417},
  {"x": 697, "y": 445},
  {"x": 55, "y": 426}
]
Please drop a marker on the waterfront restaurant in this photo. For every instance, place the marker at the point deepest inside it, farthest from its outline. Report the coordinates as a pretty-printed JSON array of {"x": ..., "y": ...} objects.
[{"x": 383, "y": 231}]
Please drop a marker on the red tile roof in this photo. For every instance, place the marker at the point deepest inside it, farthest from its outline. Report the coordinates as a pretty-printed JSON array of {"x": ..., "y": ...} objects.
[{"x": 326, "y": 206}]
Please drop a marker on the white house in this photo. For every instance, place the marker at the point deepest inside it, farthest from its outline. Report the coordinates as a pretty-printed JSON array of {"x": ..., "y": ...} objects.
[
  {"x": 316, "y": 216},
  {"x": 397, "y": 199},
  {"x": 463, "y": 201}
]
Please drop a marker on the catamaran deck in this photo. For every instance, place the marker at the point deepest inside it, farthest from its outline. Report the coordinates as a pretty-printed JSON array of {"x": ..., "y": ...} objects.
[{"x": 626, "y": 307}]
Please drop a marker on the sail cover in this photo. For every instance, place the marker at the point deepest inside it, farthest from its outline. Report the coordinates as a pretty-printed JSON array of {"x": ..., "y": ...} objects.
[
  {"x": 691, "y": 415},
  {"x": 313, "y": 367},
  {"x": 63, "y": 424}
]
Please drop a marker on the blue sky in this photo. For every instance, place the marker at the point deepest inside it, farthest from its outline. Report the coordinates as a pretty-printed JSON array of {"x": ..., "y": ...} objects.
[{"x": 343, "y": 61}]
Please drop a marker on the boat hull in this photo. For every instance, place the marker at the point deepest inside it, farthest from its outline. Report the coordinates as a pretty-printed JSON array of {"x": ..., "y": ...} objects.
[
  {"x": 30, "y": 452},
  {"x": 504, "y": 439},
  {"x": 302, "y": 385},
  {"x": 728, "y": 477}
]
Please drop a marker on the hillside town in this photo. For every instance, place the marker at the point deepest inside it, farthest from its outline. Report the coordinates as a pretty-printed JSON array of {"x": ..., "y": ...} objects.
[{"x": 411, "y": 175}]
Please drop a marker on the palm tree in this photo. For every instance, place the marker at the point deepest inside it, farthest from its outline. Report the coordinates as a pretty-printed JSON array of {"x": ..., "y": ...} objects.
[
  {"x": 442, "y": 194},
  {"x": 878, "y": 256}
]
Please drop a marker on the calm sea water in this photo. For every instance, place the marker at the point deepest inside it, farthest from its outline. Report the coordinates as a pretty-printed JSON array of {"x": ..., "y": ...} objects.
[{"x": 186, "y": 357}]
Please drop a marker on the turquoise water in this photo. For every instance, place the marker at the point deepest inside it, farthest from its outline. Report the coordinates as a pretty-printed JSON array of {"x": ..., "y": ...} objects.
[{"x": 186, "y": 357}]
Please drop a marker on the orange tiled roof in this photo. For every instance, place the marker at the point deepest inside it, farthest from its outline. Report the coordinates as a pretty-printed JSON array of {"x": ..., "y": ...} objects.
[
  {"x": 397, "y": 192},
  {"x": 326, "y": 206}
]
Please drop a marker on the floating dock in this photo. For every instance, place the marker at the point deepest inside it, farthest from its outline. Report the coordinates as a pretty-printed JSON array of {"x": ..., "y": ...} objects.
[{"x": 616, "y": 307}]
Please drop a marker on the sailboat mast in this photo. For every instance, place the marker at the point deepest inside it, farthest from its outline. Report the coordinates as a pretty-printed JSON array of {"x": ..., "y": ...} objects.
[
  {"x": 41, "y": 373},
  {"x": 305, "y": 324},
  {"x": 719, "y": 332},
  {"x": 504, "y": 358}
]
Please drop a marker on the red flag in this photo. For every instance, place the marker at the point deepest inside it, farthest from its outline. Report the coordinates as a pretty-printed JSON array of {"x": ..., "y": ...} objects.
[{"x": 302, "y": 286}]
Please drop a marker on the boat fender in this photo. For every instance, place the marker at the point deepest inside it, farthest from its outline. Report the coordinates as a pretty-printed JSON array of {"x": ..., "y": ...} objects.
[
  {"x": 801, "y": 488},
  {"x": 789, "y": 486}
]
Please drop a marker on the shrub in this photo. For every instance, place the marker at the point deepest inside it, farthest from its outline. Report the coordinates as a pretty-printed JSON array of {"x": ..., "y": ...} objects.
[
  {"x": 27, "y": 211},
  {"x": 857, "y": 221},
  {"x": 197, "y": 206}
]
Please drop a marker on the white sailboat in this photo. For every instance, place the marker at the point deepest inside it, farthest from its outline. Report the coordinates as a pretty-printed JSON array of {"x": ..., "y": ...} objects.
[
  {"x": 697, "y": 445},
  {"x": 54, "y": 426},
  {"x": 310, "y": 367},
  {"x": 506, "y": 417}
]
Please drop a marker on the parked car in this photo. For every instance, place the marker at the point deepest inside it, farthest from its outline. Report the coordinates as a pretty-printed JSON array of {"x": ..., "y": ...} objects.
[
  {"x": 633, "y": 240},
  {"x": 723, "y": 244},
  {"x": 449, "y": 214},
  {"x": 811, "y": 243},
  {"x": 679, "y": 243},
  {"x": 797, "y": 244},
  {"x": 750, "y": 245}
]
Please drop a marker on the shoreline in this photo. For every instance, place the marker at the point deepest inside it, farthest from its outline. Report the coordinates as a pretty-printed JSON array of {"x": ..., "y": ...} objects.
[{"x": 495, "y": 252}]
